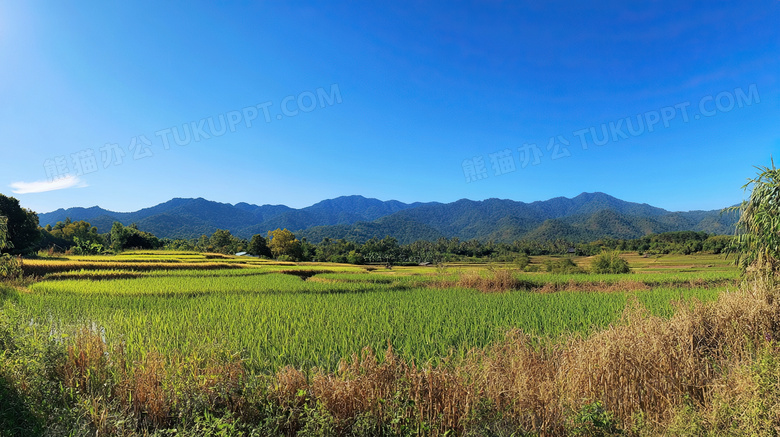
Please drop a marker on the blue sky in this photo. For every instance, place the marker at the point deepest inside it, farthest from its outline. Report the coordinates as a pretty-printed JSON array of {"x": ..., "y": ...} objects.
[{"x": 293, "y": 103}]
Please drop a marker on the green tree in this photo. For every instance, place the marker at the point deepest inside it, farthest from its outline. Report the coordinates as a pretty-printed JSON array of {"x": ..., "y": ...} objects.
[
  {"x": 118, "y": 235},
  {"x": 4, "y": 242},
  {"x": 522, "y": 261},
  {"x": 22, "y": 225},
  {"x": 86, "y": 247},
  {"x": 178, "y": 244},
  {"x": 222, "y": 241},
  {"x": 354, "y": 257},
  {"x": 757, "y": 243},
  {"x": 203, "y": 244},
  {"x": 283, "y": 243},
  {"x": 81, "y": 236},
  {"x": 258, "y": 246},
  {"x": 308, "y": 250},
  {"x": 717, "y": 243},
  {"x": 10, "y": 267},
  {"x": 130, "y": 237},
  {"x": 384, "y": 250}
]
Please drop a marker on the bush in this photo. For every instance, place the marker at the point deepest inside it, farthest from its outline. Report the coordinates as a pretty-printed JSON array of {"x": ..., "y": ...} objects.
[
  {"x": 593, "y": 420},
  {"x": 522, "y": 261},
  {"x": 10, "y": 267},
  {"x": 609, "y": 263},
  {"x": 564, "y": 266}
]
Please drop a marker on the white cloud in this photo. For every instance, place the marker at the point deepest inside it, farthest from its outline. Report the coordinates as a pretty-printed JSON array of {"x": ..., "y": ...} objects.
[{"x": 43, "y": 186}]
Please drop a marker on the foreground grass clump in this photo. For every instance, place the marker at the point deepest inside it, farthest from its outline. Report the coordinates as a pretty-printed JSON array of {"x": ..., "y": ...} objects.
[{"x": 711, "y": 368}]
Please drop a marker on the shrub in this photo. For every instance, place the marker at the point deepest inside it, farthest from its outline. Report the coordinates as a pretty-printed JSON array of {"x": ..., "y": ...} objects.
[
  {"x": 609, "y": 262},
  {"x": 532, "y": 268},
  {"x": 10, "y": 267},
  {"x": 522, "y": 261},
  {"x": 564, "y": 266},
  {"x": 593, "y": 420}
]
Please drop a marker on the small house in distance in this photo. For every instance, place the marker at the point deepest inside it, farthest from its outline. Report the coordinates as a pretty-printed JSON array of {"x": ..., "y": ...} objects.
[{"x": 247, "y": 254}]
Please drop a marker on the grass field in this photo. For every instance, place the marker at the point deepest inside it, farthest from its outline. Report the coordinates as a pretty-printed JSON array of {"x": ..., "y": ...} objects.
[
  {"x": 311, "y": 315},
  {"x": 155, "y": 333}
]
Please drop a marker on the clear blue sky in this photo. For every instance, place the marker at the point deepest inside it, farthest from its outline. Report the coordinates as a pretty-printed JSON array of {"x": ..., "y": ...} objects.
[{"x": 392, "y": 100}]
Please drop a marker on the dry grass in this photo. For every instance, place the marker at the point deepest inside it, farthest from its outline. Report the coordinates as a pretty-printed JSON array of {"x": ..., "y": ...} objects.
[
  {"x": 599, "y": 286},
  {"x": 488, "y": 282},
  {"x": 644, "y": 367},
  {"x": 154, "y": 392},
  {"x": 647, "y": 365},
  {"x": 503, "y": 280},
  {"x": 394, "y": 390}
]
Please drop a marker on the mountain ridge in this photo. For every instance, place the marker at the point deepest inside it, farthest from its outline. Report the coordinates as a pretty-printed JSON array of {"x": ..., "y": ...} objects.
[{"x": 587, "y": 216}]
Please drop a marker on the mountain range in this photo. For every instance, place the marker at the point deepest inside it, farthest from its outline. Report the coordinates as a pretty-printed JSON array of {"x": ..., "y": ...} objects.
[{"x": 586, "y": 217}]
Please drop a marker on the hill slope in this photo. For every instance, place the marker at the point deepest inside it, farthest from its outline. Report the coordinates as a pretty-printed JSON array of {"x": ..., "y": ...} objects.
[{"x": 586, "y": 217}]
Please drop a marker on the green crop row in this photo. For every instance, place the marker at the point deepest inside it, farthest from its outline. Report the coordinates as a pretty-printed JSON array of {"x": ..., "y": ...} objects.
[
  {"x": 277, "y": 319},
  {"x": 188, "y": 285}
]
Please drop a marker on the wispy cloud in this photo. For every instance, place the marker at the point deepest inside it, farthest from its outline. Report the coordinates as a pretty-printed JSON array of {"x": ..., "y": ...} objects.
[{"x": 69, "y": 181}]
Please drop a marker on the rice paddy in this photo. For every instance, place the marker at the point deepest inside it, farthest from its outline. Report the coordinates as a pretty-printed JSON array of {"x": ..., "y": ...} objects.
[{"x": 313, "y": 315}]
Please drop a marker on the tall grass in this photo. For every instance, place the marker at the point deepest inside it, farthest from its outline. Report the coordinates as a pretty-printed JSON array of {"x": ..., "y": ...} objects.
[
  {"x": 710, "y": 369},
  {"x": 277, "y": 319},
  {"x": 139, "y": 347}
]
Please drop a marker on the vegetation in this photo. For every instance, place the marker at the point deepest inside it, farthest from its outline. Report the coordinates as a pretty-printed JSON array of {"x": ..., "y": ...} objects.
[
  {"x": 194, "y": 311},
  {"x": 81, "y": 234},
  {"x": 757, "y": 246},
  {"x": 587, "y": 217},
  {"x": 122, "y": 238},
  {"x": 283, "y": 243},
  {"x": 10, "y": 267},
  {"x": 241, "y": 350},
  {"x": 609, "y": 262},
  {"x": 258, "y": 246},
  {"x": 389, "y": 250},
  {"x": 562, "y": 266},
  {"x": 236, "y": 345},
  {"x": 4, "y": 243},
  {"x": 153, "y": 342},
  {"x": 82, "y": 238},
  {"x": 21, "y": 225}
]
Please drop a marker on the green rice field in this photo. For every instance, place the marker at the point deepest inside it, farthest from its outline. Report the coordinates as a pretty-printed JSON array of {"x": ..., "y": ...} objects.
[{"x": 312, "y": 315}]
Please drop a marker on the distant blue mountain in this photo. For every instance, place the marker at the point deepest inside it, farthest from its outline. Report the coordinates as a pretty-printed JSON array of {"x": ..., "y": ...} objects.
[{"x": 586, "y": 217}]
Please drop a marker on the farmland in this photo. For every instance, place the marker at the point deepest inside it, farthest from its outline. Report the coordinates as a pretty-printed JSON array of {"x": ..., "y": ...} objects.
[
  {"x": 314, "y": 315},
  {"x": 303, "y": 322}
]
